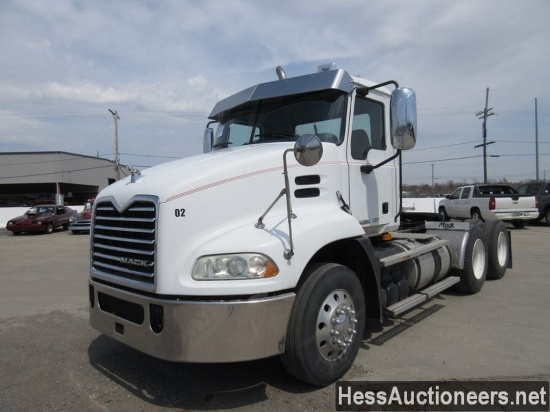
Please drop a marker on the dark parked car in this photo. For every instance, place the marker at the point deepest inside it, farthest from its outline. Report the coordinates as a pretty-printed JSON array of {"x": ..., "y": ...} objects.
[
  {"x": 81, "y": 222},
  {"x": 41, "y": 218},
  {"x": 541, "y": 190}
]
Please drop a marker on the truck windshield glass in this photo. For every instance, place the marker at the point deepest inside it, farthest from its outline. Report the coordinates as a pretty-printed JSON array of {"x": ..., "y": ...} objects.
[{"x": 284, "y": 119}]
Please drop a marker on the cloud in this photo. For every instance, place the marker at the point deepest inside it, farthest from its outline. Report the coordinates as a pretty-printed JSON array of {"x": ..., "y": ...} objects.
[{"x": 163, "y": 65}]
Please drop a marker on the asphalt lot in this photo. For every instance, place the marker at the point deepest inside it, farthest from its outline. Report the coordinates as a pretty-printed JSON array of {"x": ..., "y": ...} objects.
[{"x": 51, "y": 359}]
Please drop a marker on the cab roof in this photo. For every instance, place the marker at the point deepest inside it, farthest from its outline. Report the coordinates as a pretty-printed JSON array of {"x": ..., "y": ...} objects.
[{"x": 333, "y": 79}]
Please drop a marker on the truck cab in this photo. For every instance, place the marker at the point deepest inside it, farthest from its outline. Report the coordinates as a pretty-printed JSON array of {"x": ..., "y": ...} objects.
[
  {"x": 349, "y": 115},
  {"x": 277, "y": 240}
]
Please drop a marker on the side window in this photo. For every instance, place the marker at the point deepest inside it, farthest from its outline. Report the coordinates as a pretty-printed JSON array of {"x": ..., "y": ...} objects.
[
  {"x": 368, "y": 128},
  {"x": 532, "y": 189},
  {"x": 547, "y": 188},
  {"x": 456, "y": 194},
  {"x": 326, "y": 130},
  {"x": 466, "y": 193},
  {"x": 239, "y": 134}
]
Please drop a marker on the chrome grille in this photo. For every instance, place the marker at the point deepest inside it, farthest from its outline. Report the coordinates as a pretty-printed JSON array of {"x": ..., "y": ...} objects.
[{"x": 123, "y": 242}]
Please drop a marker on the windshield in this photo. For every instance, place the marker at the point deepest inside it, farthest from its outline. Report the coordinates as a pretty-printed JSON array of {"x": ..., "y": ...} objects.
[
  {"x": 284, "y": 119},
  {"x": 40, "y": 210}
]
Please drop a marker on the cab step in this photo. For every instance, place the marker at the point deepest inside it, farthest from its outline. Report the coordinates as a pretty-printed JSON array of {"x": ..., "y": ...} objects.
[{"x": 418, "y": 298}]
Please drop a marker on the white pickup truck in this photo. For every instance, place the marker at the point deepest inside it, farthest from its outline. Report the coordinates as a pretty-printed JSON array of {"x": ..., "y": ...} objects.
[{"x": 489, "y": 202}]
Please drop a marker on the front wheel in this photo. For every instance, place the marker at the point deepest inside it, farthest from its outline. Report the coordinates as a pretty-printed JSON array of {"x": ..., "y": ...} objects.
[
  {"x": 49, "y": 228},
  {"x": 326, "y": 325}
]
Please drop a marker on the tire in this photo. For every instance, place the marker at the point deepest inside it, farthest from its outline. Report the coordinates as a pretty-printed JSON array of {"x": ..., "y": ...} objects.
[
  {"x": 496, "y": 238},
  {"x": 474, "y": 273},
  {"x": 547, "y": 216},
  {"x": 519, "y": 224},
  {"x": 443, "y": 213},
  {"x": 49, "y": 228},
  {"x": 331, "y": 295},
  {"x": 476, "y": 214}
]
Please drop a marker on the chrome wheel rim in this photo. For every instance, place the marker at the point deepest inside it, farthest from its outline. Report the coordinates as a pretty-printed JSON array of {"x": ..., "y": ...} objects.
[
  {"x": 478, "y": 260},
  {"x": 502, "y": 248},
  {"x": 335, "y": 328}
]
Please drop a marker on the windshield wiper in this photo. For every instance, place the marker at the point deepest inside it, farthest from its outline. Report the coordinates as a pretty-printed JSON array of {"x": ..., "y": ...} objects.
[
  {"x": 287, "y": 136},
  {"x": 224, "y": 145}
]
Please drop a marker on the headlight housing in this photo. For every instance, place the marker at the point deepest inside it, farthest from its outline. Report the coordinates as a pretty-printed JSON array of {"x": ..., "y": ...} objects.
[{"x": 234, "y": 266}]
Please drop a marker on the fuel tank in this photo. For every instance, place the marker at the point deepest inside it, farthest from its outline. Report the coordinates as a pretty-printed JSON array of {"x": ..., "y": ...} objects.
[{"x": 424, "y": 269}]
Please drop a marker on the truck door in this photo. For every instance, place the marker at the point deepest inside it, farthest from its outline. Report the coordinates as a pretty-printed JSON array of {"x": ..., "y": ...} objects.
[
  {"x": 454, "y": 204},
  {"x": 374, "y": 199},
  {"x": 464, "y": 203}
]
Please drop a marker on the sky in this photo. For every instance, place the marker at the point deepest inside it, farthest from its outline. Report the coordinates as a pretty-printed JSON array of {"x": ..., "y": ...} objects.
[{"x": 162, "y": 65}]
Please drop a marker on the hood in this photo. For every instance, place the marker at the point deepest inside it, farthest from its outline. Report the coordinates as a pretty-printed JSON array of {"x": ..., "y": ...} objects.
[
  {"x": 30, "y": 218},
  {"x": 175, "y": 179}
]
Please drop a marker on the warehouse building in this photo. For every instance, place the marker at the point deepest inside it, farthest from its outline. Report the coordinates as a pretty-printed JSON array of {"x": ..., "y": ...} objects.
[{"x": 28, "y": 178}]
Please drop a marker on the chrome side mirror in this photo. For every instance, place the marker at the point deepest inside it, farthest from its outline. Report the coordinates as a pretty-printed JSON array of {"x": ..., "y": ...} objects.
[
  {"x": 208, "y": 140},
  {"x": 308, "y": 150},
  {"x": 403, "y": 118}
]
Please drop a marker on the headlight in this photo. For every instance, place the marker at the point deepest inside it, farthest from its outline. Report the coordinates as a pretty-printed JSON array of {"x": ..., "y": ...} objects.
[{"x": 235, "y": 266}]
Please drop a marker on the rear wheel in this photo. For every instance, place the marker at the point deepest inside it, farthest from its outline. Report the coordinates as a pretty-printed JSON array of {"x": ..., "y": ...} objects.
[
  {"x": 519, "y": 223},
  {"x": 326, "y": 325},
  {"x": 547, "y": 216},
  {"x": 495, "y": 237},
  {"x": 49, "y": 228},
  {"x": 474, "y": 273},
  {"x": 476, "y": 214}
]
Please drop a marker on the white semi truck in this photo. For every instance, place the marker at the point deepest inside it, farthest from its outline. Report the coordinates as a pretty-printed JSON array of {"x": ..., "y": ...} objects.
[{"x": 284, "y": 236}]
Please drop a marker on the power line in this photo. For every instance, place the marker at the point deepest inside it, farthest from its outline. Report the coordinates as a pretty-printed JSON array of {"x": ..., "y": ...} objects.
[
  {"x": 43, "y": 161},
  {"x": 444, "y": 146},
  {"x": 441, "y": 160},
  {"x": 58, "y": 172},
  {"x": 160, "y": 157}
]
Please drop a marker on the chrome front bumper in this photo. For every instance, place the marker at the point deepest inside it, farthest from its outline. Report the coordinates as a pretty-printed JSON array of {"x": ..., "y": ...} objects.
[{"x": 192, "y": 331}]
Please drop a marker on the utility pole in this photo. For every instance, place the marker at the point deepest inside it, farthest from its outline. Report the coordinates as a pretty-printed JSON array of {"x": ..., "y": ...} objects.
[
  {"x": 537, "y": 138},
  {"x": 433, "y": 187},
  {"x": 117, "y": 154},
  {"x": 484, "y": 114}
]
